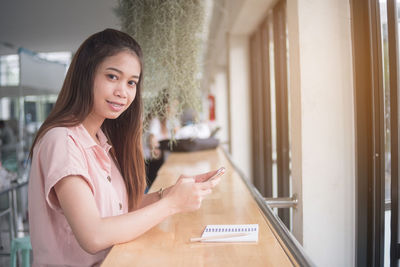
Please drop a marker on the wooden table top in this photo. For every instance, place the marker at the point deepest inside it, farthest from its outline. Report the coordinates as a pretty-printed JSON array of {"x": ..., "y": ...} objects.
[{"x": 167, "y": 244}]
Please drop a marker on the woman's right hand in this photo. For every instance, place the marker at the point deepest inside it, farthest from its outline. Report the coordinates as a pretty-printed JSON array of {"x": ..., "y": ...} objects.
[{"x": 187, "y": 195}]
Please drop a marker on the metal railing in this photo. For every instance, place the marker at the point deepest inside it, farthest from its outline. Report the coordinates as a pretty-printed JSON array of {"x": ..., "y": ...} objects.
[{"x": 282, "y": 202}]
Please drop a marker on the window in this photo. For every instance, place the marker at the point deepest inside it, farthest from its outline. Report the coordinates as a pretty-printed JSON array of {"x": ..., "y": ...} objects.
[
  {"x": 375, "y": 50},
  {"x": 9, "y": 70},
  {"x": 270, "y": 107}
]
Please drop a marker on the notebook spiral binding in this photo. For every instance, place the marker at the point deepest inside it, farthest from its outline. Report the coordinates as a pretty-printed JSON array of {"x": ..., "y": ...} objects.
[{"x": 230, "y": 230}]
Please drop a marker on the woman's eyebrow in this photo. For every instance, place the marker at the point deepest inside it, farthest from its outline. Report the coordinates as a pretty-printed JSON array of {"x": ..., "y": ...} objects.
[{"x": 121, "y": 72}]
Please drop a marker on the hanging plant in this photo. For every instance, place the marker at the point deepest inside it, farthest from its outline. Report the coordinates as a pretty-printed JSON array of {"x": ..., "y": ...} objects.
[{"x": 170, "y": 34}]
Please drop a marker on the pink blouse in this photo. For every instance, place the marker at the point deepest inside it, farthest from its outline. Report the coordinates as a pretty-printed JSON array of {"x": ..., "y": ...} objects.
[{"x": 59, "y": 153}]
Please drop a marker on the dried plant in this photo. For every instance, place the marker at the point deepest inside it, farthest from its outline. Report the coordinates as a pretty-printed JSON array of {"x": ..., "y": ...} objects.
[{"x": 170, "y": 34}]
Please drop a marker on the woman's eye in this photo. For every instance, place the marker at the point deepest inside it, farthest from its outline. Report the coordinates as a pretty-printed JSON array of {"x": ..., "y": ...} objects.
[
  {"x": 112, "y": 76},
  {"x": 132, "y": 83}
]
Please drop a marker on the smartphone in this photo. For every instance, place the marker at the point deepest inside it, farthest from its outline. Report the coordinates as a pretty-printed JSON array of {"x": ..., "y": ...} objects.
[{"x": 219, "y": 172}]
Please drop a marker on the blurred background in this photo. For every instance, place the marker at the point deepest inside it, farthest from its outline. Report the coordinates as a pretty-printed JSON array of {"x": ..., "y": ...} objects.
[{"x": 301, "y": 94}]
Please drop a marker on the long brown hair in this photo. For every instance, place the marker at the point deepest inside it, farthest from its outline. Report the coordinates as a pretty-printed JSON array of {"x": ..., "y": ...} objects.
[{"x": 75, "y": 102}]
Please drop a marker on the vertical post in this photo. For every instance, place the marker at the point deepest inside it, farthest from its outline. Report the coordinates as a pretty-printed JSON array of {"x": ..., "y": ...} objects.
[
  {"x": 11, "y": 215},
  {"x": 378, "y": 182},
  {"x": 256, "y": 108},
  {"x": 394, "y": 129},
  {"x": 21, "y": 119},
  {"x": 228, "y": 86},
  {"x": 266, "y": 108},
  {"x": 282, "y": 122},
  {"x": 368, "y": 87},
  {"x": 14, "y": 210}
]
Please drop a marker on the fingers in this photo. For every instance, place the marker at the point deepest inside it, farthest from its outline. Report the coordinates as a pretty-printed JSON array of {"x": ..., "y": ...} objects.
[
  {"x": 209, "y": 184},
  {"x": 187, "y": 195},
  {"x": 200, "y": 178},
  {"x": 204, "y": 176},
  {"x": 205, "y": 192},
  {"x": 201, "y": 193},
  {"x": 187, "y": 180},
  {"x": 199, "y": 189},
  {"x": 184, "y": 176}
]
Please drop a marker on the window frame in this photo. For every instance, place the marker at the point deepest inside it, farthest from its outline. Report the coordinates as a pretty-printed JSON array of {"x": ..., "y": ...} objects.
[
  {"x": 370, "y": 143},
  {"x": 262, "y": 110}
]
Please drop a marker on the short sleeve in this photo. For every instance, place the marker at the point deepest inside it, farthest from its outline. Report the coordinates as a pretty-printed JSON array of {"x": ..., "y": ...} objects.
[{"x": 60, "y": 156}]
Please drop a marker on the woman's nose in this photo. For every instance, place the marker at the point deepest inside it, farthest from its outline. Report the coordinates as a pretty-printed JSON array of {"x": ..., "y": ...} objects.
[{"x": 121, "y": 90}]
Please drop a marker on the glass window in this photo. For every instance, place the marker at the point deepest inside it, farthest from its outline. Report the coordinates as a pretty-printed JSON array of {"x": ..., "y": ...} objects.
[{"x": 9, "y": 70}]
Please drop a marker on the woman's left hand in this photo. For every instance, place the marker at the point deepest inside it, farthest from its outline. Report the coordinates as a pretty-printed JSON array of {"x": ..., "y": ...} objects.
[{"x": 200, "y": 178}]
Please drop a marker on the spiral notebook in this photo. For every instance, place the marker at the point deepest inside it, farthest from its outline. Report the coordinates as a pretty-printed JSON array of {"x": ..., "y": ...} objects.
[{"x": 243, "y": 232}]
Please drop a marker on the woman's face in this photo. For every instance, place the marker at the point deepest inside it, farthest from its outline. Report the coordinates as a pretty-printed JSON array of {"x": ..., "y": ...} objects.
[{"x": 114, "y": 86}]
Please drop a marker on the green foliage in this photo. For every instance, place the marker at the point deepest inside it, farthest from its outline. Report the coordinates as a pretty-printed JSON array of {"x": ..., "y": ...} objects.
[{"x": 169, "y": 32}]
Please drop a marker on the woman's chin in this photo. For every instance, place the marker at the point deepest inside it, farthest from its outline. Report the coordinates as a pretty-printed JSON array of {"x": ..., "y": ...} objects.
[{"x": 113, "y": 116}]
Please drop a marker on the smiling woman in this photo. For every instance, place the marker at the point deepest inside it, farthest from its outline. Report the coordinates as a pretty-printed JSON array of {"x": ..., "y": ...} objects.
[
  {"x": 87, "y": 179},
  {"x": 114, "y": 88}
]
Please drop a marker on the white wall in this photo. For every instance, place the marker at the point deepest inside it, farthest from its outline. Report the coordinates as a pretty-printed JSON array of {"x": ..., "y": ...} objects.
[
  {"x": 219, "y": 89},
  {"x": 239, "y": 83},
  {"x": 327, "y": 131}
]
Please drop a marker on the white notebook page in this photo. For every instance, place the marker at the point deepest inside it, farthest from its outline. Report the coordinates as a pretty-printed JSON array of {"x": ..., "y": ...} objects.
[{"x": 228, "y": 229}]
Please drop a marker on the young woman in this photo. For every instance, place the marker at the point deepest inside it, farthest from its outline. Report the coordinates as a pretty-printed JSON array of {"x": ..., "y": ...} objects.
[{"x": 87, "y": 176}]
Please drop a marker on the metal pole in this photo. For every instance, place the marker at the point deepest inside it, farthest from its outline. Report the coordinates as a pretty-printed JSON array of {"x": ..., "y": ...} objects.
[
  {"x": 21, "y": 100},
  {"x": 11, "y": 215},
  {"x": 282, "y": 202}
]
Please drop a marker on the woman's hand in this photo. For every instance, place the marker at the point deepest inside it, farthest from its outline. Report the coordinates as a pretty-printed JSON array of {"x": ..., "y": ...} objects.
[
  {"x": 188, "y": 192},
  {"x": 204, "y": 177},
  {"x": 187, "y": 195}
]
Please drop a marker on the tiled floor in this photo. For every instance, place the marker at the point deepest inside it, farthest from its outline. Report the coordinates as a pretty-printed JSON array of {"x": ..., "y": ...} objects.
[
  {"x": 5, "y": 228},
  {"x": 4, "y": 241}
]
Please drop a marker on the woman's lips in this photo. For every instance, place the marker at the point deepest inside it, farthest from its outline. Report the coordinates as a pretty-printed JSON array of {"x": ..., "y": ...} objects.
[{"x": 115, "y": 106}]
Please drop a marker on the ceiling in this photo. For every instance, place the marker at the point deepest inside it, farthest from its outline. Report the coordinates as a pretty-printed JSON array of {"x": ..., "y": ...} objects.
[{"x": 52, "y": 25}]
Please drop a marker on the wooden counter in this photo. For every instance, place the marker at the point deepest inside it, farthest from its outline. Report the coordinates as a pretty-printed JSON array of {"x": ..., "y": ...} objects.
[{"x": 231, "y": 202}]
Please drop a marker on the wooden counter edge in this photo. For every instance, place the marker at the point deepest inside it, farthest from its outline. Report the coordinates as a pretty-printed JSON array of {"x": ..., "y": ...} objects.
[{"x": 288, "y": 242}]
